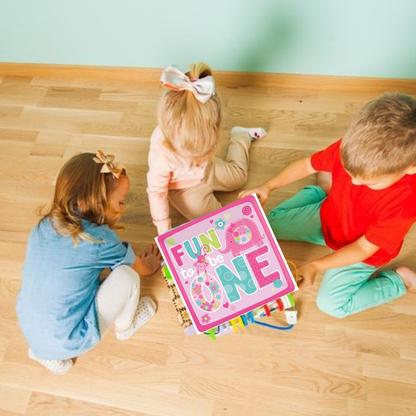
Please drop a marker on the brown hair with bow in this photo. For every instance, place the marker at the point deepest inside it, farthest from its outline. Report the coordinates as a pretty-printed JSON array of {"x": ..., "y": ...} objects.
[{"x": 82, "y": 192}]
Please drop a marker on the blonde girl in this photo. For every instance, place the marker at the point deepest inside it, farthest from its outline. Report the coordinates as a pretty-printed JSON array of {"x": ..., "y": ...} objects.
[
  {"x": 63, "y": 307},
  {"x": 183, "y": 169}
]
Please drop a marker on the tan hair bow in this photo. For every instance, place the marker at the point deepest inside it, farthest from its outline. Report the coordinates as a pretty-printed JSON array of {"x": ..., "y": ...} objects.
[{"x": 109, "y": 166}]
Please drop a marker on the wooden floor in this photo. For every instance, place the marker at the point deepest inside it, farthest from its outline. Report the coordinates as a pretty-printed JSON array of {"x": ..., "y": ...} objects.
[{"x": 361, "y": 365}]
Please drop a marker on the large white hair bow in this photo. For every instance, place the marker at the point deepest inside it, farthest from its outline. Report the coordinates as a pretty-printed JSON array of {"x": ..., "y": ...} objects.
[{"x": 203, "y": 88}]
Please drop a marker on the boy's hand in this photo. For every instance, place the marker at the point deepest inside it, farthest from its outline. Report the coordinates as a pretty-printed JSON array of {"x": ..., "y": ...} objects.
[
  {"x": 263, "y": 192},
  {"x": 307, "y": 274},
  {"x": 150, "y": 260}
]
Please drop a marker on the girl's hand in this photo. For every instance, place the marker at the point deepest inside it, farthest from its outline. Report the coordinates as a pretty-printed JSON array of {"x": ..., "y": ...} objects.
[
  {"x": 307, "y": 274},
  {"x": 149, "y": 262},
  {"x": 262, "y": 192}
]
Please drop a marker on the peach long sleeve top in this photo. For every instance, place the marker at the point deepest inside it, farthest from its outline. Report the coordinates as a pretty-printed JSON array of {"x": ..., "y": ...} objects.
[{"x": 167, "y": 171}]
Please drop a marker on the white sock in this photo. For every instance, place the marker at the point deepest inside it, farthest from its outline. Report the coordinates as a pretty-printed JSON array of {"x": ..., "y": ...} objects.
[
  {"x": 54, "y": 366},
  {"x": 255, "y": 133},
  {"x": 144, "y": 312}
]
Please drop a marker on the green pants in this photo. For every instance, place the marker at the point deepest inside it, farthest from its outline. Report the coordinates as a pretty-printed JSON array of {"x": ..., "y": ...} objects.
[{"x": 344, "y": 290}]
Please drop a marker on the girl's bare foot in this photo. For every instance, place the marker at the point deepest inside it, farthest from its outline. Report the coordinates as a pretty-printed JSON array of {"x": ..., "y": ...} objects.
[
  {"x": 408, "y": 276},
  {"x": 324, "y": 180}
]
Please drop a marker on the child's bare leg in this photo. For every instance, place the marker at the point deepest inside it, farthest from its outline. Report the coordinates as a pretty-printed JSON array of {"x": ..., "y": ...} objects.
[
  {"x": 408, "y": 276},
  {"x": 324, "y": 180}
]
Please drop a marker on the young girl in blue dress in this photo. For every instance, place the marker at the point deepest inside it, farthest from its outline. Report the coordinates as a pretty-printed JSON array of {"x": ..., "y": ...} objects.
[{"x": 64, "y": 308}]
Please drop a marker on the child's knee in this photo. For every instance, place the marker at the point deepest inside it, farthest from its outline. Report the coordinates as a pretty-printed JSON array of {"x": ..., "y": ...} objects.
[
  {"x": 277, "y": 213},
  {"x": 127, "y": 276},
  {"x": 202, "y": 207},
  {"x": 277, "y": 220},
  {"x": 326, "y": 304},
  {"x": 239, "y": 178}
]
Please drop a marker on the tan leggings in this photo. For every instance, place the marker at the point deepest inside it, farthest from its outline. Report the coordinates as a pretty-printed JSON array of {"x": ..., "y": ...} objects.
[{"x": 225, "y": 176}]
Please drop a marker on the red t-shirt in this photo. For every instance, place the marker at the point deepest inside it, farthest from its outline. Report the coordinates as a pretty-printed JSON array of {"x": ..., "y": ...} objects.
[{"x": 350, "y": 211}]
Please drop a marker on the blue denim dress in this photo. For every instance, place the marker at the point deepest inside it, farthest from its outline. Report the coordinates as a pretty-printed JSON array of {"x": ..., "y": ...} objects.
[{"x": 56, "y": 304}]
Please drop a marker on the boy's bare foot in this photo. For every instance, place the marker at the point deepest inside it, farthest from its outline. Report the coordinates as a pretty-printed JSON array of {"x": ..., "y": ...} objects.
[
  {"x": 324, "y": 180},
  {"x": 408, "y": 276}
]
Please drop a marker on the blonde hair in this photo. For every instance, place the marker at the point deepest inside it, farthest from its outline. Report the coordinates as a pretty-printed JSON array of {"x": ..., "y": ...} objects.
[
  {"x": 82, "y": 193},
  {"x": 381, "y": 139},
  {"x": 191, "y": 128}
]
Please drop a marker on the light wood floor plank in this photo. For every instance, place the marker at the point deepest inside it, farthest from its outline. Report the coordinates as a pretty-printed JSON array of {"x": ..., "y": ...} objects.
[
  {"x": 13, "y": 399},
  {"x": 47, "y": 405}
]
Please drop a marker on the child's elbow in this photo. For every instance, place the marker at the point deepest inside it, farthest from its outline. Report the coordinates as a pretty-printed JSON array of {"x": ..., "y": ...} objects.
[
  {"x": 367, "y": 247},
  {"x": 308, "y": 165}
]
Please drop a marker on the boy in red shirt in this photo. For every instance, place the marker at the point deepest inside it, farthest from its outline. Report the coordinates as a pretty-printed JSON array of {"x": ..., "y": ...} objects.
[{"x": 362, "y": 209}]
